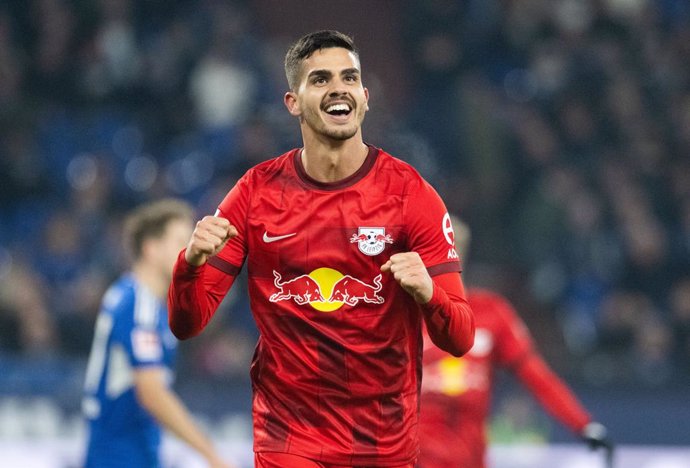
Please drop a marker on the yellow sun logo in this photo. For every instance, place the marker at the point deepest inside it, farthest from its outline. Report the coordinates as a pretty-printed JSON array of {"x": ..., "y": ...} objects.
[
  {"x": 453, "y": 375},
  {"x": 326, "y": 289},
  {"x": 326, "y": 278}
]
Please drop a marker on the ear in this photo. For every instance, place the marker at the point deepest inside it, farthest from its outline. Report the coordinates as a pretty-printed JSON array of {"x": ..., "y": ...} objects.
[
  {"x": 366, "y": 96},
  {"x": 292, "y": 104},
  {"x": 147, "y": 249}
]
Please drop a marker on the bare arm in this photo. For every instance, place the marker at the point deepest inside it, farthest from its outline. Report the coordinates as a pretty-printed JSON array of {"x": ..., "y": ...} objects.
[{"x": 170, "y": 412}]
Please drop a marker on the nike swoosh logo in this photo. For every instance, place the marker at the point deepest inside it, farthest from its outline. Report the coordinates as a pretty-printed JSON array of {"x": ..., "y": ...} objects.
[{"x": 268, "y": 239}]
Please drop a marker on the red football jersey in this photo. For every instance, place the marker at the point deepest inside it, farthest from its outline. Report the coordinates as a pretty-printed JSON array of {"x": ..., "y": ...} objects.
[
  {"x": 456, "y": 392},
  {"x": 337, "y": 368}
]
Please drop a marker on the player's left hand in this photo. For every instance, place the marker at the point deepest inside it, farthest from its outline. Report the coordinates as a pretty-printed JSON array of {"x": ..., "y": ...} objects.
[
  {"x": 410, "y": 272},
  {"x": 596, "y": 436},
  {"x": 216, "y": 462}
]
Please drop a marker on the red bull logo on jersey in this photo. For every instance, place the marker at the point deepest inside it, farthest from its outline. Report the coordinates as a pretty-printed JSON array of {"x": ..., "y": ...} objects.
[
  {"x": 351, "y": 290},
  {"x": 326, "y": 290},
  {"x": 371, "y": 240},
  {"x": 302, "y": 289}
]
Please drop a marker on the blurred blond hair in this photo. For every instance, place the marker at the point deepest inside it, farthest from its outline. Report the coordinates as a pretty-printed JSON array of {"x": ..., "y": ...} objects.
[{"x": 463, "y": 236}]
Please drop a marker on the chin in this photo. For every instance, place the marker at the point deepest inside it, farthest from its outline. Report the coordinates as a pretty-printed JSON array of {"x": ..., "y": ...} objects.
[{"x": 340, "y": 133}]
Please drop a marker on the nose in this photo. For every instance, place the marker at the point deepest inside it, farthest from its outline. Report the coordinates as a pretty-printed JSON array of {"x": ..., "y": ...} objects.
[
  {"x": 337, "y": 92},
  {"x": 337, "y": 88}
]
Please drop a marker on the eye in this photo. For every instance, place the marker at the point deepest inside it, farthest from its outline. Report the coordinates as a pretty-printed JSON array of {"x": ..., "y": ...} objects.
[{"x": 319, "y": 80}]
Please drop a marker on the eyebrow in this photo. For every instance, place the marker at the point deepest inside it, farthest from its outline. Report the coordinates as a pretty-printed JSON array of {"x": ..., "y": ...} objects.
[
  {"x": 350, "y": 71},
  {"x": 324, "y": 73},
  {"x": 327, "y": 73}
]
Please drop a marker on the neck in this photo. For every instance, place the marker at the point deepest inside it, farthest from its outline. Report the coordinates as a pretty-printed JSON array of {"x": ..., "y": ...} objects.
[
  {"x": 327, "y": 160},
  {"x": 149, "y": 277}
]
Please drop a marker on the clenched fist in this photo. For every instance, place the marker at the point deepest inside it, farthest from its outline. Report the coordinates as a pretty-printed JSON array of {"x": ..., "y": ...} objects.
[
  {"x": 209, "y": 237},
  {"x": 411, "y": 274}
]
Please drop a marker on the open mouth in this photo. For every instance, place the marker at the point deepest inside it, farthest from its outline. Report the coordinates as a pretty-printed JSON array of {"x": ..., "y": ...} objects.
[{"x": 339, "y": 111}]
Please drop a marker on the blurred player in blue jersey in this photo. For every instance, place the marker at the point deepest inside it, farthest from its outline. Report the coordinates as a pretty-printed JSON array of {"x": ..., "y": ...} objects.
[{"x": 127, "y": 387}]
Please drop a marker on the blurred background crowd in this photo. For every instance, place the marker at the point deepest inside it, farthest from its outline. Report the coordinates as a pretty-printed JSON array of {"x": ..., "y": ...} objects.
[{"x": 558, "y": 129}]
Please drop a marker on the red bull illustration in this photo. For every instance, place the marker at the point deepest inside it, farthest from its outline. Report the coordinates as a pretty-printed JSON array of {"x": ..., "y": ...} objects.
[
  {"x": 302, "y": 289},
  {"x": 351, "y": 290},
  {"x": 322, "y": 283}
]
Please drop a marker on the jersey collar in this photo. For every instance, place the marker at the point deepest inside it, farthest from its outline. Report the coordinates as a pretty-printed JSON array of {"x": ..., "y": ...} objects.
[{"x": 340, "y": 184}]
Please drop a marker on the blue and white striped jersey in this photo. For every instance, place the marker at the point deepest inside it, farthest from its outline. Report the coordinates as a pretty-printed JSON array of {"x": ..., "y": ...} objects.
[{"x": 131, "y": 332}]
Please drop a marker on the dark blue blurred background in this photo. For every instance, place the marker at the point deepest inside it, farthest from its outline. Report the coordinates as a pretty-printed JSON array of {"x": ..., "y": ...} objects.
[{"x": 559, "y": 130}]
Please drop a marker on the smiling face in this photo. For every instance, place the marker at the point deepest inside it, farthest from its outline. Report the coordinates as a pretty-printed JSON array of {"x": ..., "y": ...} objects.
[{"x": 329, "y": 99}]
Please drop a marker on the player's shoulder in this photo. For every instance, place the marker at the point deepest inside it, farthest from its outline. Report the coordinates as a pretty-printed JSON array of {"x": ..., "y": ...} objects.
[
  {"x": 271, "y": 167},
  {"x": 120, "y": 296},
  {"x": 393, "y": 163},
  {"x": 401, "y": 172}
]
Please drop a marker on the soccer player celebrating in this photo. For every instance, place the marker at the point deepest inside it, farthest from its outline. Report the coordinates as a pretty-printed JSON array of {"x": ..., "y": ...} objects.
[
  {"x": 347, "y": 251},
  {"x": 127, "y": 392},
  {"x": 456, "y": 392}
]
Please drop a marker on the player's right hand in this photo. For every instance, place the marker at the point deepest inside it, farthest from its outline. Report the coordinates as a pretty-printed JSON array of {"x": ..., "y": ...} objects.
[{"x": 209, "y": 237}]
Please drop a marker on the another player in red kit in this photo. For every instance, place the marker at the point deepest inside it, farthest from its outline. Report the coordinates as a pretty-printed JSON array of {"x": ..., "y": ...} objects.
[
  {"x": 456, "y": 392},
  {"x": 347, "y": 251}
]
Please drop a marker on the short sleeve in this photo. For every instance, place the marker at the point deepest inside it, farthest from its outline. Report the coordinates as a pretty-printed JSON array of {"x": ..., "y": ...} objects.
[
  {"x": 234, "y": 208},
  {"x": 430, "y": 232},
  {"x": 140, "y": 339},
  {"x": 146, "y": 347}
]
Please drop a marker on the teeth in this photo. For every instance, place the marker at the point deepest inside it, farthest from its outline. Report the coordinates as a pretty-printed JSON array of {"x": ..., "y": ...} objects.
[{"x": 338, "y": 107}]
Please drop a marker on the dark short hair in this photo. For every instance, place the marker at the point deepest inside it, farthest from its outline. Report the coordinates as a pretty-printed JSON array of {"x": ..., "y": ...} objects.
[
  {"x": 310, "y": 43},
  {"x": 151, "y": 220}
]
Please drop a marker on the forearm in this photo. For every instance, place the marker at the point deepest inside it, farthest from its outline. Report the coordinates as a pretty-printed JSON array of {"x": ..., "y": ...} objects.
[
  {"x": 171, "y": 413},
  {"x": 448, "y": 316},
  {"x": 553, "y": 394},
  {"x": 194, "y": 296}
]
